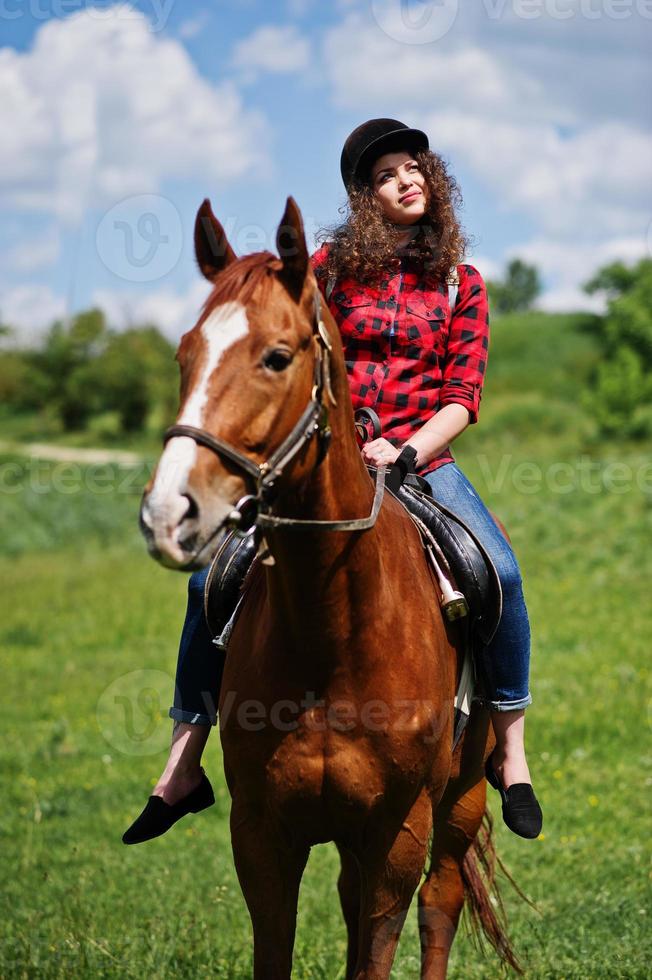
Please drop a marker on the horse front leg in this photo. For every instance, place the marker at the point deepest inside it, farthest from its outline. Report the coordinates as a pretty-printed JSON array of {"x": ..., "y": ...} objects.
[
  {"x": 270, "y": 874},
  {"x": 348, "y": 886},
  {"x": 389, "y": 879}
]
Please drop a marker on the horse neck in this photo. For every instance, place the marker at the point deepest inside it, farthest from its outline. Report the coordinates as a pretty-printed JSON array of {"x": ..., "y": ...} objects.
[{"x": 312, "y": 565}]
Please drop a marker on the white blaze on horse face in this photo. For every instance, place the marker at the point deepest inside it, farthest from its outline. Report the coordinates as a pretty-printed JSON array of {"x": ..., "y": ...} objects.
[
  {"x": 166, "y": 503},
  {"x": 221, "y": 330}
]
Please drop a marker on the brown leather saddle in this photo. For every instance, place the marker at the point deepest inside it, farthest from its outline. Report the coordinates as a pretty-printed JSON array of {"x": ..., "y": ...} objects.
[{"x": 472, "y": 568}]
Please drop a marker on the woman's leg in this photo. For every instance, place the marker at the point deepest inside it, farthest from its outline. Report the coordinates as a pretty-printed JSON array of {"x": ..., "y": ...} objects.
[
  {"x": 508, "y": 758},
  {"x": 183, "y": 769},
  {"x": 200, "y": 666},
  {"x": 505, "y": 661},
  {"x": 183, "y": 787}
]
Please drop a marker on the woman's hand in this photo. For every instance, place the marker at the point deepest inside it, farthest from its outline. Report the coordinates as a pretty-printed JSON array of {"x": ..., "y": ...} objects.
[{"x": 379, "y": 452}]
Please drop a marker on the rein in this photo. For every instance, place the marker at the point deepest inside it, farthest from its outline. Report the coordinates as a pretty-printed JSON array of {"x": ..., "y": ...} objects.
[{"x": 313, "y": 420}]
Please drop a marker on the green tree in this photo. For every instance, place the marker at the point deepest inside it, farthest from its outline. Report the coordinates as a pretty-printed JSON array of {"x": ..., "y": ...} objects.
[
  {"x": 15, "y": 380},
  {"x": 518, "y": 290},
  {"x": 61, "y": 367},
  {"x": 136, "y": 374},
  {"x": 628, "y": 290},
  {"x": 614, "y": 279},
  {"x": 83, "y": 369},
  {"x": 621, "y": 392}
]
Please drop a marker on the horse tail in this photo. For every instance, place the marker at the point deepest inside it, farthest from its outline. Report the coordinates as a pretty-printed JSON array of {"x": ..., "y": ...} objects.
[{"x": 482, "y": 893}]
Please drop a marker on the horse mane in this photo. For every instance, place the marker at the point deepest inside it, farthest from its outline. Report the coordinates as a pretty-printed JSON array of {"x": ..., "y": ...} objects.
[{"x": 239, "y": 280}]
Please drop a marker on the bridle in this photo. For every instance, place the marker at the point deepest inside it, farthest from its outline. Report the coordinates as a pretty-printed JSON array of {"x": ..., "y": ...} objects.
[
  {"x": 313, "y": 421},
  {"x": 256, "y": 508}
]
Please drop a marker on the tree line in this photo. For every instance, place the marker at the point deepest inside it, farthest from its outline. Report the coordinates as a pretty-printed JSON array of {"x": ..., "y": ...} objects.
[{"x": 84, "y": 369}]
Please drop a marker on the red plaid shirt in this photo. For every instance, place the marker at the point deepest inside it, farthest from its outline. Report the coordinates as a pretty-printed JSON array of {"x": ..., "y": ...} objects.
[{"x": 406, "y": 357}]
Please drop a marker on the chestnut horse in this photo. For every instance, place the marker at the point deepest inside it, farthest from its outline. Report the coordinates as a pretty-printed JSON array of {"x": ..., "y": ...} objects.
[{"x": 337, "y": 699}]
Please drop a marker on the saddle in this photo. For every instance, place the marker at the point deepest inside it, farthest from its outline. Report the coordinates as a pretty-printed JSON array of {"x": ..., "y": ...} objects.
[
  {"x": 224, "y": 584},
  {"x": 460, "y": 554},
  {"x": 469, "y": 585},
  {"x": 469, "y": 564}
]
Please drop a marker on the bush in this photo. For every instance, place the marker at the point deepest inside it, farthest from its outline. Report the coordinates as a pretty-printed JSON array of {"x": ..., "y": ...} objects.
[
  {"x": 620, "y": 397},
  {"x": 14, "y": 379},
  {"x": 518, "y": 290},
  {"x": 83, "y": 370},
  {"x": 135, "y": 373}
]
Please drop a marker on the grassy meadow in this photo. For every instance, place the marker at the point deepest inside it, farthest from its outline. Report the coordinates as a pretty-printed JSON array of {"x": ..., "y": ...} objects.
[{"x": 89, "y": 629}]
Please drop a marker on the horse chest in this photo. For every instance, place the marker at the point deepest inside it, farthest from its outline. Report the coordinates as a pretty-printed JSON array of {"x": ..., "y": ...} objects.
[{"x": 327, "y": 786}]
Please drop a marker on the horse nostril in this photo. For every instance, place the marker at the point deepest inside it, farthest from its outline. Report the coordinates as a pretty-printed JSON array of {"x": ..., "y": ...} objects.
[
  {"x": 145, "y": 518},
  {"x": 192, "y": 513}
]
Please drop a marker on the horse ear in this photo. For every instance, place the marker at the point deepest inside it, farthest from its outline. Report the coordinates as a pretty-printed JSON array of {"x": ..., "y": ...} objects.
[
  {"x": 212, "y": 249},
  {"x": 291, "y": 247}
]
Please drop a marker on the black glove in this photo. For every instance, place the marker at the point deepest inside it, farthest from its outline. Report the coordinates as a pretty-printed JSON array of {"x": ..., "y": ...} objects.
[{"x": 404, "y": 463}]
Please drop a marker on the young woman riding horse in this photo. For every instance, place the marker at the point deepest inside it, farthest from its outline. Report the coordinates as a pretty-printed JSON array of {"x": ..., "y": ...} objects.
[
  {"x": 420, "y": 366},
  {"x": 339, "y": 651},
  {"x": 403, "y": 235}
]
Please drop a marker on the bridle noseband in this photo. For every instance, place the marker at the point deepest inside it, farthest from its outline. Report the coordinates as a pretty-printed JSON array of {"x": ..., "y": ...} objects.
[{"x": 313, "y": 421}]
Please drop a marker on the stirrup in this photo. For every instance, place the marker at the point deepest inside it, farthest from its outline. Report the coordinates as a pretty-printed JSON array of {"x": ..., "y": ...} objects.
[{"x": 455, "y": 607}]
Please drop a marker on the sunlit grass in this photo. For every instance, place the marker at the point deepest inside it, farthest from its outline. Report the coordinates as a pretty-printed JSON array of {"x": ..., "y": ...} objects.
[{"x": 88, "y": 621}]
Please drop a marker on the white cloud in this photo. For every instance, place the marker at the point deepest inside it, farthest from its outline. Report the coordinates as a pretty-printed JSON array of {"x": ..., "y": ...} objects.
[
  {"x": 29, "y": 309},
  {"x": 37, "y": 253},
  {"x": 487, "y": 267},
  {"x": 585, "y": 185},
  {"x": 297, "y": 8},
  {"x": 271, "y": 48},
  {"x": 103, "y": 107},
  {"x": 172, "y": 312},
  {"x": 368, "y": 68},
  {"x": 500, "y": 122},
  {"x": 193, "y": 26},
  {"x": 567, "y": 266},
  {"x": 516, "y": 123}
]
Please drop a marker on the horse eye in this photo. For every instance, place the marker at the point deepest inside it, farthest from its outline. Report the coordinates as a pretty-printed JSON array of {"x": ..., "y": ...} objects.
[{"x": 277, "y": 360}]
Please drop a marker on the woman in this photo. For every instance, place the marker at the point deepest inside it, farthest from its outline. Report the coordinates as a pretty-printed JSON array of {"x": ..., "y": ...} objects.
[{"x": 420, "y": 366}]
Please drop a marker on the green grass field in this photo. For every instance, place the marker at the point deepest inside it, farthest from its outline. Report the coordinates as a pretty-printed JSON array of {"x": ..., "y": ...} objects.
[{"x": 89, "y": 631}]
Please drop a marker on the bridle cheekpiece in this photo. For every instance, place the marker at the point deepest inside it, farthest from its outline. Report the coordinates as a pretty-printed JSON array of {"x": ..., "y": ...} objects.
[{"x": 313, "y": 422}]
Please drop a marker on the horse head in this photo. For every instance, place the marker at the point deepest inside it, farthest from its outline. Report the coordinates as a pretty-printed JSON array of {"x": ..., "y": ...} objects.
[{"x": 251, "y": 368}]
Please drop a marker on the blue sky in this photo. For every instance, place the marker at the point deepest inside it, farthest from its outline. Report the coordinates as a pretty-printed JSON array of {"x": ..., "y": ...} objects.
[{"x": 119, "y": 119}]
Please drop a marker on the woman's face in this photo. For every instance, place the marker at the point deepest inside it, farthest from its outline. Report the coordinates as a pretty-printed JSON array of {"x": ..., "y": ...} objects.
[{"x": 400, "y": 187}]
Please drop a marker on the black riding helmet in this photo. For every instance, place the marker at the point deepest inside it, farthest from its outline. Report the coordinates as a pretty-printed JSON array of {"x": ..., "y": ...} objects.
[{"x": 373, "y": 138}]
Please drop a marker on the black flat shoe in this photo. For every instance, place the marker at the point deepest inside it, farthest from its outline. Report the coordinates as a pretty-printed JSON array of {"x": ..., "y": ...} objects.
[
  {"x": 158, "y": 816},
  {"x": 521, "y": 810}
]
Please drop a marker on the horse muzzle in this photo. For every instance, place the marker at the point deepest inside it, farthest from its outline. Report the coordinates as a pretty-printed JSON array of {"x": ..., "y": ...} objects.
[{"x": 179, "y": 532}]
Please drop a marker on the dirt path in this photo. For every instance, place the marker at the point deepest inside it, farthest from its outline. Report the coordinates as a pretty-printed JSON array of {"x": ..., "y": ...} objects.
[{"x": 72, "y": 454}]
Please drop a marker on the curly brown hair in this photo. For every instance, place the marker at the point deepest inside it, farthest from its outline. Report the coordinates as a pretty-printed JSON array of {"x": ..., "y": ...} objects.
[{"x": 366, "y": 245}]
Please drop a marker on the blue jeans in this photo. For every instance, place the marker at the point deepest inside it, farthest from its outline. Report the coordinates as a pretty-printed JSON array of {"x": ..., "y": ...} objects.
[
  {"x": 200, "y": 664},
  {"x": 504, "y": 663}
]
